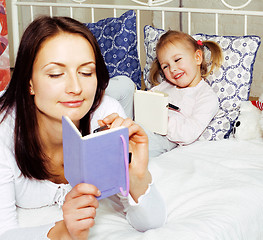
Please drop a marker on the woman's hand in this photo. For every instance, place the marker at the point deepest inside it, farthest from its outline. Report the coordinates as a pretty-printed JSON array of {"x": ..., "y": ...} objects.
[
  {"x": 79, "y": 211},
  {"x": 140, "y": 177}
]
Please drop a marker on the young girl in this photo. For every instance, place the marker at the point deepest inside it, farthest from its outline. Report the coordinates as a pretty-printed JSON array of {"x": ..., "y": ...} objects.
[{"x": 180, "y": 58}]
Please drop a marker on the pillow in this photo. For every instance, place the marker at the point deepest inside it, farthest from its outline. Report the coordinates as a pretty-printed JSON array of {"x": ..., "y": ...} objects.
[
  {"x": 117, "y": 38},
  {"x": 231, "y": 82}
]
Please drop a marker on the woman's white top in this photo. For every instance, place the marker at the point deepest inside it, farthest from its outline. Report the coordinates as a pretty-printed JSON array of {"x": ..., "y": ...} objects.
[
  {"x": 29, "y": 208},
  {"x": 198, "y": 105}
]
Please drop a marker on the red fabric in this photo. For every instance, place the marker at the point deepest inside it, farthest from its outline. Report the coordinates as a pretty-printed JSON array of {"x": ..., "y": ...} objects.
[
  {"x": 4, "y": 50},
  {"x": 258, "y": 104}
]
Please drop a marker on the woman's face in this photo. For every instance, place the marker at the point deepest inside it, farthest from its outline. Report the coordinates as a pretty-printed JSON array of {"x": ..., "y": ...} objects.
[{"x": 64, "y": 80}]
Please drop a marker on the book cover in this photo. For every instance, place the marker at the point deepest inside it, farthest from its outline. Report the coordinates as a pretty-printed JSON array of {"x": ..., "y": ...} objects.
[
  {"x": 99, "y": 158},
  {"x": 151, "y": 110}
]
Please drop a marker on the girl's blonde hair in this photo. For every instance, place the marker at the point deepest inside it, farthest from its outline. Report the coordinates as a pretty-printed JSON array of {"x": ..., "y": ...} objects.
[{"x": 172, "y": 36}]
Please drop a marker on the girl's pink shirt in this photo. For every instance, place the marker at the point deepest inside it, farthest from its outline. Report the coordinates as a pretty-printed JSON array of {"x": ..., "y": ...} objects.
[{"x": 198, "y": 105}]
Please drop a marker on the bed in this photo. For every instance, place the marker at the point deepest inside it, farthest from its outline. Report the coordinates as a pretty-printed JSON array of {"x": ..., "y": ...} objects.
[{"x": 213, "y": 188}]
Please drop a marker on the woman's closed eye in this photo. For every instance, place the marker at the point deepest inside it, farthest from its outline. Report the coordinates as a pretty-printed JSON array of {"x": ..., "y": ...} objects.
[
  {"x": 55, "y": 75},
  {"x": 85, "y": 74},
  {"x": 177, "y": 59}
]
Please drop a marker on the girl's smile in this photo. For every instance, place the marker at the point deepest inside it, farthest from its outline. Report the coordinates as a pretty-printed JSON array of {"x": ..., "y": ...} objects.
[
  {"x": 177, "y": 76},
  {"x": 180, "y": 64}
]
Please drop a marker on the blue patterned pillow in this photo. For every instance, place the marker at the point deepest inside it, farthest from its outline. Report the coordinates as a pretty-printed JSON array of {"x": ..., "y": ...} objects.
[
  {"x": 117, "y": 38},
  {"x": 231, "y": 83}
]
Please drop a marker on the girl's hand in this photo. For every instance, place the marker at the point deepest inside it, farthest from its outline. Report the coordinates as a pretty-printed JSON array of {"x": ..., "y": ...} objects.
[
  {"x": 140, "y": 177},
  {"x": 79, "y": 211}
]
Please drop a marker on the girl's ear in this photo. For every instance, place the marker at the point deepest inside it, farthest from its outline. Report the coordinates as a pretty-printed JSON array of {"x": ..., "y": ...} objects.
[
  {"x": 31, "y": 89},
  {"x": 198, "y": 56}
]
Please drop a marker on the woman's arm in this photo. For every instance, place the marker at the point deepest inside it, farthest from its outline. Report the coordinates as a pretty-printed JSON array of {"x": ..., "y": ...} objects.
[
  {"x": 144, "y": 206},
  {"x": 32, "y": 233},
  {"x": 148, "y": 213},
  {"x": 8, "y": 218},
  {"x": 140, "y": 176},
  {"x": 79, "y": 210},
  {"x": 9, "y": 228}
]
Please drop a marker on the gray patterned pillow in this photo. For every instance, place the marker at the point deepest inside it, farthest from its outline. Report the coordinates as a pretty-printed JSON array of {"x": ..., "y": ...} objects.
[{"x": 231, "y": 83}]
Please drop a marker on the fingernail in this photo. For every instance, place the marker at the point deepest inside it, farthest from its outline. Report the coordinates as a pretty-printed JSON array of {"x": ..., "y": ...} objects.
[{"x": 98, "y": 193}]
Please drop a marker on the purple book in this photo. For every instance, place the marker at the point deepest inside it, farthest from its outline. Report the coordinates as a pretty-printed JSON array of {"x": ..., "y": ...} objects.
[{"x": 99, "y": 158}]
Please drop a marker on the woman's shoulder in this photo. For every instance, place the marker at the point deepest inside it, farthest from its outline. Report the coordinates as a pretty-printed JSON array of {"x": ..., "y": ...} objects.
[
  {"x": 108, "y": 100},
  {"x": 109, "y": 104},
  {"x": 7, "y": 124}
]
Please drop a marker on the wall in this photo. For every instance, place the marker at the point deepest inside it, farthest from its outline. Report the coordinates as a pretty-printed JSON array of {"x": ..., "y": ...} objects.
[
  {"x": 200, "y": 23},
  {"x": 255, "y": 28}
]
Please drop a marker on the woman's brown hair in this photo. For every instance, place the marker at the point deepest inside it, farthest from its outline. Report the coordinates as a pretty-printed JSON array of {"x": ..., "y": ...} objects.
[
  {"x": 30, "y": 158},
  {"x": 172, "y": 36}
]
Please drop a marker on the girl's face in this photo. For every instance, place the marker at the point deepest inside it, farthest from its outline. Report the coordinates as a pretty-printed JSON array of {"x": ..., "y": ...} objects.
[
  {"x": 180, "y": 64},
  {"x": 64, "y": 80}
]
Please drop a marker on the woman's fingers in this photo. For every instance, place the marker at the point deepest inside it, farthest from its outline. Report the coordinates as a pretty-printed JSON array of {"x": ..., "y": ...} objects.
[
  {"x": 81, "y": 214},
  {"x": 110, "y": 118},
  {"x": 80, "y": 229},
  {"x": 84, "y": 212},
  {"x": 113, "y": 120},
  {"x": 137, "y": 133},
  {"x": 81, "y": 189},
  {"x": 81, "y": 196},
  {"x": 79, "y": 209},
  {"x": 81, "y": 202}
]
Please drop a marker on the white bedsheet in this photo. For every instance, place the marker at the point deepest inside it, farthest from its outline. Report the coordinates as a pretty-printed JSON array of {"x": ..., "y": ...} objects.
[{"x": 213, "y": 190}]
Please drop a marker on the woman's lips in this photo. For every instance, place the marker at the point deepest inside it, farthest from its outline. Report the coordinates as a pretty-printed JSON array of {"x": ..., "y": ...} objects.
[{"x": 72, "y": 104}]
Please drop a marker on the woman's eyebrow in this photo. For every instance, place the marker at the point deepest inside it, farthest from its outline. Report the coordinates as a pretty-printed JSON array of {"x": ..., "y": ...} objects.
[
  {"x": 64, "y": 65},
  {"x": 88, "y": 63},
  {"x": 55, "y": 63}
]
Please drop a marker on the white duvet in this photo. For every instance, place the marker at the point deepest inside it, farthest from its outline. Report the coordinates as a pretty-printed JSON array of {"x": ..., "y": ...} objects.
[{"x": 213, "y": 190}]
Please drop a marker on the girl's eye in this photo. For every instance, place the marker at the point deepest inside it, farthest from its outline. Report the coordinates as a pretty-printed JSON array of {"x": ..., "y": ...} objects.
[
  {"x": 164, "y": 67},
  {"x": 55, "y": 75},
  {"x": 178, "y": 59}
]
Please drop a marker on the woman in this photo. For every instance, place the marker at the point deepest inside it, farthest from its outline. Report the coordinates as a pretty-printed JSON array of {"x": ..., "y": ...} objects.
[{"x": 59, "y": 71}]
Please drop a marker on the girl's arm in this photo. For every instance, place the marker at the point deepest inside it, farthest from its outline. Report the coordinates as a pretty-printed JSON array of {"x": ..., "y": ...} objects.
[{"x": 186, "y": 126}]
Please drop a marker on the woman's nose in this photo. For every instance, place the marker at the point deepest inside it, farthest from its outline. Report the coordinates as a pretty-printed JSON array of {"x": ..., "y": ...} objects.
[{"x": 73, "y": 84}]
